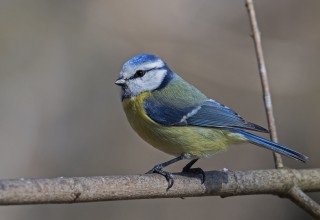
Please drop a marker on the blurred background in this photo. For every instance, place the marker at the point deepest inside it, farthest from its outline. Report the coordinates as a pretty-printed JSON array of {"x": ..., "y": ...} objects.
[{"x": 61, "y": 115}]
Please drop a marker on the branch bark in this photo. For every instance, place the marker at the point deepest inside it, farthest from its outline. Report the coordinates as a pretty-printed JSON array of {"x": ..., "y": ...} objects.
[
  {"x": 264, "y": 79},
  {"x": 304, "y": 201},
  {"x": 296, "y": 194},
  {"x": 283, "y": 182},
  {"x": 218, "y": 183}
]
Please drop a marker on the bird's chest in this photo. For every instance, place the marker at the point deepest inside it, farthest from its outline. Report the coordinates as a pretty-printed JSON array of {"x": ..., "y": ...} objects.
[
  {"x": 164, "y": 138},
  {"x": 137, "y": 117}
]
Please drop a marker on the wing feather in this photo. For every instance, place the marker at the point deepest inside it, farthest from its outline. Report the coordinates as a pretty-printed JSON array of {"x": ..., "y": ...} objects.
[{"x": 206, "y": 114}]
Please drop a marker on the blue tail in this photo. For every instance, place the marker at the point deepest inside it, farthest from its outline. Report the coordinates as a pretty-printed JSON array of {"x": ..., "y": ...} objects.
[{"x": 273, "y": 146}]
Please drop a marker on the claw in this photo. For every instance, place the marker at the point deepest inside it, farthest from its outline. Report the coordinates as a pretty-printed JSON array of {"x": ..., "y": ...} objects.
[
  {"x": 151, "y": 171},
  {"x": 170, "y": 180},
  {"x": 167, "y": 175}
]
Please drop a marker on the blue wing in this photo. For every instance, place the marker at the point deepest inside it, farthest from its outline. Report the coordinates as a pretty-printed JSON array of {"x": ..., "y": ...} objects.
[{"x": 206, "y": 114}]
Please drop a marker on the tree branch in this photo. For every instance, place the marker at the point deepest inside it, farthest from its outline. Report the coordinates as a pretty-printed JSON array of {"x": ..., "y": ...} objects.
[
  {"x": 264, "y": 78},
  {"x": 283, "y": 182},
  {"x": 218, "y": 183},
  {"x": 304, "y": 201},
  {"x": 295, "y": 194}
]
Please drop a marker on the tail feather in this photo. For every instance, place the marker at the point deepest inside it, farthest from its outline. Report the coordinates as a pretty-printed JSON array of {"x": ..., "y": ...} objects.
[{"x": 273, "y": 146}]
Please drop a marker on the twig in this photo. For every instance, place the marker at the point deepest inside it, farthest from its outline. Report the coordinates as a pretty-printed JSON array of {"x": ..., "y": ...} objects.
[
  {"x": 264, "y": 79},
  {"x": 304, "y": 201},
  {"x": 218, "y": 183},
  {"x": 295, "y": 194}
]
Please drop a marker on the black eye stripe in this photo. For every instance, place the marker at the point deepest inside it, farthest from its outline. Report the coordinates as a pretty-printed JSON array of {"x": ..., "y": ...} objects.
[{"x": 141, "y": 73}]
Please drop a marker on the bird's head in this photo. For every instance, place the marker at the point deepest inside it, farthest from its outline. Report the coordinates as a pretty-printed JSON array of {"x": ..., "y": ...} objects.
[{"x": 143, "y": 73}]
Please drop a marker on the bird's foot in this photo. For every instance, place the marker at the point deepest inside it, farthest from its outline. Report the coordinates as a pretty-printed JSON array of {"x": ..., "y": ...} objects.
[
  {"x": 167, "y": 175},
  {"x": 195, "y": 171}
]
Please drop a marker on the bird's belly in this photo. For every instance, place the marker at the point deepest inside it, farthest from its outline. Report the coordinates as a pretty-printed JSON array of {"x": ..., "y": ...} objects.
[{"x": 177, "y": 140}]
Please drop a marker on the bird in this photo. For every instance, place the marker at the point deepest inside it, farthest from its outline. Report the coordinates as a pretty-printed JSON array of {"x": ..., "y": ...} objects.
[{"x": 175, "y": 117}]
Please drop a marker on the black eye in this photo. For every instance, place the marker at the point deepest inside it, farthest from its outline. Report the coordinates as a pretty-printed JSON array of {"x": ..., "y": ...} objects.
[{"x": 139, "y": 73}]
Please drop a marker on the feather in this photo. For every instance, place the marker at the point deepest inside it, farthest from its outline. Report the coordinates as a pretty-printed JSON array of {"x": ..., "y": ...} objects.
[
  {"x": 214, "y": 114},
  {"x": 273, "y": 146},
  {"x": 175, "y": 109}
]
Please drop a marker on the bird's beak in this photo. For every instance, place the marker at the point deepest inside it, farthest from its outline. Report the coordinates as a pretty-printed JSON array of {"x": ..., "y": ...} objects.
[{"x": 120, "y": 82}]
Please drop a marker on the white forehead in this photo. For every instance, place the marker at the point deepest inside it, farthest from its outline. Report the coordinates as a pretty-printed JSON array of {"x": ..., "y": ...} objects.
[{"x": 129, "y": 68}]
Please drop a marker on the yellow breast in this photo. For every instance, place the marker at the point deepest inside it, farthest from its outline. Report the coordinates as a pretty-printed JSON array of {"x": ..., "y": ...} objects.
[{"x": 175, "y": 140}]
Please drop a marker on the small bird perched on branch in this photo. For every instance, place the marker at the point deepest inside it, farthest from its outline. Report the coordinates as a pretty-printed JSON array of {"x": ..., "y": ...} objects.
[{"x": 178, "y": 119}]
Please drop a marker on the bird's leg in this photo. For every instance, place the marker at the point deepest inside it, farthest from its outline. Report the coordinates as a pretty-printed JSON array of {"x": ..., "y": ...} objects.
[
  {"x": 158, "y": 169},
  {"x": 199, "y": 171}
]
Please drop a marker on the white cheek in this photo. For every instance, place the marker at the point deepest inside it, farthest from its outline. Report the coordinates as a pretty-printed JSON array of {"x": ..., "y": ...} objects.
[
  {"x": 151, "y": 81},
  {"x": 134, "y": 88}
]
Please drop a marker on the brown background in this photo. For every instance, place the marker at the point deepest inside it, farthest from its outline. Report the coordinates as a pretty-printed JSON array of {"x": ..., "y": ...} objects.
[{"x": 60, "y": 112}]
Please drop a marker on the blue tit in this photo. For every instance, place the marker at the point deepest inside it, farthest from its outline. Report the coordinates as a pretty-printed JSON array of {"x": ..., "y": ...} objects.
[{"x": 178, "y": 119}]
